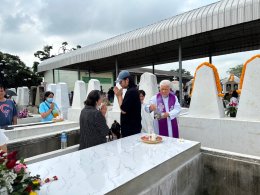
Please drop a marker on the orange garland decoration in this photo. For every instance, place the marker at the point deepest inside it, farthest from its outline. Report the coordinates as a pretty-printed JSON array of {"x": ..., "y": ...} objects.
[
  {"x": 217, "y": 80},
  {"x": 244, "y": 71}
]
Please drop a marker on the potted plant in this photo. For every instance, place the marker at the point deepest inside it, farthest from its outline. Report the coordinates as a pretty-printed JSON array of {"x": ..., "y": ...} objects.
[{"x": 232, "y": 109}]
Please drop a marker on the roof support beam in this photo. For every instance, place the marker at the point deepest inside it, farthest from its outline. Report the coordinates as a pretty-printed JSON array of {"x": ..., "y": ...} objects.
[
  {"x": 53, "y": 75},
  {"x": 180, "y": 72},
  {"x": 78, "y": 73},
  {"x": 89, "y": 72},
  {"x": 116, "y": 66}
]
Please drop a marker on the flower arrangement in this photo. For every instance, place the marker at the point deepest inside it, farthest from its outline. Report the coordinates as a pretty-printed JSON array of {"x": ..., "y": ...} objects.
[
  {"x": 23, "y": 113},
  {"x": 15, "y": 177},
  {"x": 232, "y": 109}
]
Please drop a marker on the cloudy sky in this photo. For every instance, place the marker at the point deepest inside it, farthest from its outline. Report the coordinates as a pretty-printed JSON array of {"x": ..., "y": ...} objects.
[{"x": 26, "y": 25}]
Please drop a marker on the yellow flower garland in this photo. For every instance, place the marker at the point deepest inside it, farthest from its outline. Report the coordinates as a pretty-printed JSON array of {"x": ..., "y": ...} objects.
[
  {"x": 244, "y": 71},
  {"x": 216, "y": 75}
]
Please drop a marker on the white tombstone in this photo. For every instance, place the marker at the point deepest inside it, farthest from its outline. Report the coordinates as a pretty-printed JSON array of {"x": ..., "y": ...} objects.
[
  {"x": 205, "y": 101},
  {"x": 93, "y": 84},
  {"x": 62, "y": 98},
  {"x": 79, "y": 97},
  {"x": 148, "y": 83},
  {"x": 114, "y": 114},
  {"x": 249, "y": 107},
  {"x": 23, "y": 96},
  {"x": 19, "y": 95},
  {"x": 175, "y": 85},
  {"x": 116, "y": 107},
  {"x": 52, "y": 87},
  {"x": 39, "y": 95}
]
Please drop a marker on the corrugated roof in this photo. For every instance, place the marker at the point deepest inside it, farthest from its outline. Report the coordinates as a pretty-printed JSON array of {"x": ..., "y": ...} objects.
[{"x": 211, "y": 17}]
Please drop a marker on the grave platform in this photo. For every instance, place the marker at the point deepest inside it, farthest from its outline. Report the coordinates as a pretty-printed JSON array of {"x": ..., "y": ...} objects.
[{"x": 124, "y": 166}]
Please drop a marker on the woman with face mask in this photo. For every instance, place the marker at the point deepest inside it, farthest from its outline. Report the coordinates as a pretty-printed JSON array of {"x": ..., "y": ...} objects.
[
  {"x": 93, "y": 127},
  {"x": 48, "y": 109}
]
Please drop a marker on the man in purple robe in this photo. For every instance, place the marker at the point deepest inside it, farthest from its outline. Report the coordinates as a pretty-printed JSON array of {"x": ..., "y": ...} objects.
[{"x": 166, "y": 108}]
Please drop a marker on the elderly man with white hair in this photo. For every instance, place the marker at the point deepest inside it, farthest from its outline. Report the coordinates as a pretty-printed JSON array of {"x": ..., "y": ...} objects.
[{"x": 166, "y": 108}]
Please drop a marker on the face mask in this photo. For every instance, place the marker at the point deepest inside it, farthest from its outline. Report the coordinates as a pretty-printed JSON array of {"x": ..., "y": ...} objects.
[{"x": 50, "y": 100}]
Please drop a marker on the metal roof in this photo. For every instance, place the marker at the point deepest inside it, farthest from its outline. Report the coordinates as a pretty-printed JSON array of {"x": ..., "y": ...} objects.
[
  {"x": 140, "y": 71},
  {"x": 203, "y": 31}
]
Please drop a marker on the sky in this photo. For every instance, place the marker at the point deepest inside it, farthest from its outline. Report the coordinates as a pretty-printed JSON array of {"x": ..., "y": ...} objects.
[{"x": 26, "y": 26}]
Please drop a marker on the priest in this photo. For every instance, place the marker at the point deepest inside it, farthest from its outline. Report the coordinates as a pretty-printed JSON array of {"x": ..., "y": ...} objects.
[{"x": 166, "y": 108}]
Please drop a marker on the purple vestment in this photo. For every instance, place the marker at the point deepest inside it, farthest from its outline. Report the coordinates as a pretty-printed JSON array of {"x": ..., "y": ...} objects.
[{"x": 163, "y": 126}]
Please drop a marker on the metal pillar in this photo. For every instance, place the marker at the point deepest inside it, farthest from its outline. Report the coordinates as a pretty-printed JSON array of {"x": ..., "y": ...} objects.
[
  {"x": 58, "y": 75},
  {"x": 53, "y": 75},
  {"x": 153, "y": 67},
  {"x": 180, "y": 72},
  {"x": 89, "y": 73},
  {"x": 116, "y": 64},
  {"x": 78, "y": 73}
]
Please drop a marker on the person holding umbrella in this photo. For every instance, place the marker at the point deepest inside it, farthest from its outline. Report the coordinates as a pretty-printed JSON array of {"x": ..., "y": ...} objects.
[{"x": 8, "y": 112}]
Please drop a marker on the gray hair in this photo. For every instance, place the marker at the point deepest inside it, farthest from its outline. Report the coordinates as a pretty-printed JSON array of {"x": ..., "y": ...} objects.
[{"x": 166, "y": 82}]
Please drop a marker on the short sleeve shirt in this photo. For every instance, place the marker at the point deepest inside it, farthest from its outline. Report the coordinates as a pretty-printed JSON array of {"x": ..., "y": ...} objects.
[
  {"x": 44, "y": 107},
  {"x": 7, "y": 112}
]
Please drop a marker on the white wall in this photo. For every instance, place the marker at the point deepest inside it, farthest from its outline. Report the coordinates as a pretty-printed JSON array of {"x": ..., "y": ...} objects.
[{"x": 70, "y": 77}]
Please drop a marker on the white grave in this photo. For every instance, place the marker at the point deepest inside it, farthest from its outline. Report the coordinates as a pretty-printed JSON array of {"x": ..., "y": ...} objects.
[
  {"x": 93, "y": 84},
  {"x": 114, "y": 114},
  {"x": 19, "y": 95},
  {"x": 23, "y": 96},
  {"x": 39, "y": 95},
  {"x": 175, "y": 86},
  {"x": 205, "y": 100},
  {"x": 249, "y": 107},
  {"x": 79, "y": 97},
  {"x": 148, "y": 83},
  {"x": 62, "y": 98},
  {"x": 52, "y": 87}
]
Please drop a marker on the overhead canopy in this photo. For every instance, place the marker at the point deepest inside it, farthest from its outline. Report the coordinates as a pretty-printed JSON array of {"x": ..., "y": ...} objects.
[{"x": 223, "y": 27}]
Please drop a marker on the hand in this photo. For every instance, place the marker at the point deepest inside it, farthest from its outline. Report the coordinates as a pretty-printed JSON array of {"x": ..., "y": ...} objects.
[
  {"x": 152, "y": 107},
  {"x": 103, "y": 109},
  {"x": 118, "y": 92},
  {"x": 165, "y": 115},
  {"x": 52, "y": 106}
]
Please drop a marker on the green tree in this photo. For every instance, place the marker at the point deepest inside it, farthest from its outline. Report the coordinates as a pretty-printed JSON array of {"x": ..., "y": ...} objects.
[
  {"x": 35, "y": 66},
  {"x": 45, "y": 53},
  {"x": 237, "y": 70},
  {"x": 77, "y": 47},
  {"x": 14, "y": 73},
  {"x": 64, "y": 47},
  {"x": 184, "y": 72}
]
